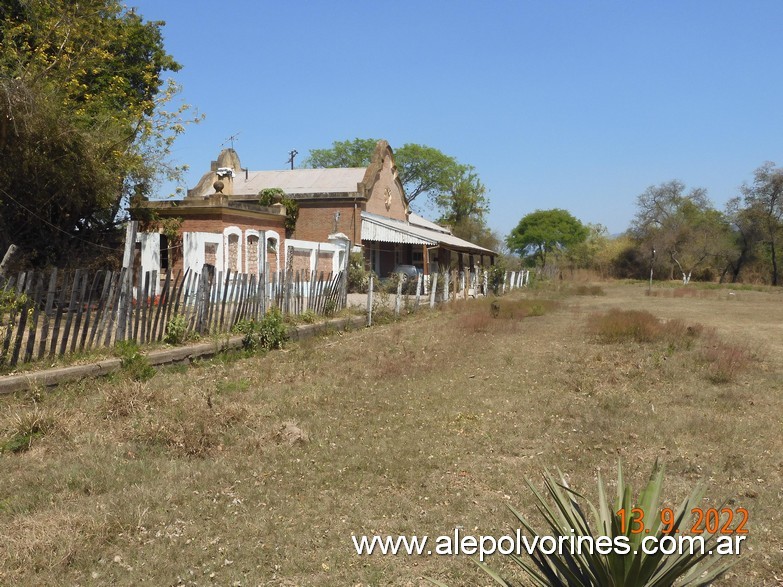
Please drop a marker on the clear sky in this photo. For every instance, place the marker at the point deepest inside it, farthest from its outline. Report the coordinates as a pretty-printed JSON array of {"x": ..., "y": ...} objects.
[{"x": 557, "y": 104}]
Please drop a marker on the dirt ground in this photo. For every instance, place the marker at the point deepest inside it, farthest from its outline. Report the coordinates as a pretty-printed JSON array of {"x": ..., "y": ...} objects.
[{"x": 411, "y": 427}]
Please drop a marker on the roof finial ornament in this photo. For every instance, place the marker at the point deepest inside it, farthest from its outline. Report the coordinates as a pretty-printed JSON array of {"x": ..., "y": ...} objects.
[{"x": 218, "y": 185}]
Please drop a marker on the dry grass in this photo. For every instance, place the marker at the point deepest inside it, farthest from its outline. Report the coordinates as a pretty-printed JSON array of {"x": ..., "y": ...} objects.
[{"x": 414, "y": 427}]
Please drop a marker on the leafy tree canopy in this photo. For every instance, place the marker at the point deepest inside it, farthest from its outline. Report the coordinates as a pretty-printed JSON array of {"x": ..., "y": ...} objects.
[
  {"x": 545, "y": 231},
  {"x": 355, "y": 153},
  {"x": 422, "y": 169},
  {"x": 82, "y": 128},
  {"x": 764, "y": 207},
  {"x": 683, "y": 227}
]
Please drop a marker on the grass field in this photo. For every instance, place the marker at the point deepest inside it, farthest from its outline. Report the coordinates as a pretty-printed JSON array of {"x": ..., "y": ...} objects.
[{"x": 257, "y": 471}]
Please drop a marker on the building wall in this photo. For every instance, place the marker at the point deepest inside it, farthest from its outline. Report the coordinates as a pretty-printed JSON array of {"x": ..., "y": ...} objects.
[
  {"x": 316, "y": 221},
  {"x": 218, "y": 222},
  {"x": 386, "y": 198}
]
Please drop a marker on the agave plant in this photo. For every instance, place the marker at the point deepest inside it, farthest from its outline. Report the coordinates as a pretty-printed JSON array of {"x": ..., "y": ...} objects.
[{"x": 565, "y": 516}]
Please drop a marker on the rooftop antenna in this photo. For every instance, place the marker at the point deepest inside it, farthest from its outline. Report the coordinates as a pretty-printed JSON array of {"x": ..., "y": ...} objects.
[
  {"x": 291, "y": 154},
  {"x": 231, "y": 139}
]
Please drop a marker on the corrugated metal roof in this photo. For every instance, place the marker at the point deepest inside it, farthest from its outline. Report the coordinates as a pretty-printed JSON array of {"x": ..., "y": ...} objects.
[
  {"x": 380, "y": 228},
  {"x": 300, "y": 181},
  {"x": 375, "y": 229},
  {"x": 417, "y": 220}
]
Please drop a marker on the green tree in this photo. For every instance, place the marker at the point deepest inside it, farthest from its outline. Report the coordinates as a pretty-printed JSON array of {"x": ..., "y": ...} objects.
[
  {"x": 422, "y": 169},
  {"x": 747, "y": 237},
  {"x": 683, "y": 227},
  {"x": 463, "y": 206},
  {"x": 764, "y": 204},
  {"x": 82, "y": 127},
  {"x": 427, "y": 171},
  {"x": 355, "y": 153},
  {"x": 267, "y": 197},
  {"x": 546, "y": 231}
]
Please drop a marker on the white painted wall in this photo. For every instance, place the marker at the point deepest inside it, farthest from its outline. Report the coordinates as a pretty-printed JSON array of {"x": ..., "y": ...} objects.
[{"x": 150, "y": 254}]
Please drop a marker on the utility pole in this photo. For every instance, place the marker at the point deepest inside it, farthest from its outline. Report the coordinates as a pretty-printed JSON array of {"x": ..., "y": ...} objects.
[{"x": 291, "y": 154}]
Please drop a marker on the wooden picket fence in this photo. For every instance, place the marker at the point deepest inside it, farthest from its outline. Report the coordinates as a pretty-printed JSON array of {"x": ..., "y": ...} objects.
[{"x": 50, "y": 315}]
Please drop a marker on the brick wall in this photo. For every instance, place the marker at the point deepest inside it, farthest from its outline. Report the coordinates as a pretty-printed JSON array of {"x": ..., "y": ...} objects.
[
  {"x": 215, "y": 223},
  {"x": 251, "y": 253},
  {"x": 376, "y": 204},
  {"x": 316, "y": 221},
  {"x": 324, "y": 263}
]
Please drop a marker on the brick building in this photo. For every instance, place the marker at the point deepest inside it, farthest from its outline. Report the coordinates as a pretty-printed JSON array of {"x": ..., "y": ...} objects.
[{"x": 364, "y": 206}]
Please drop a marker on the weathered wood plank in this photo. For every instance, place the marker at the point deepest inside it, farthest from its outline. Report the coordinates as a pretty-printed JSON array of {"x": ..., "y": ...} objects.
[
  {"x": 71, "y": 310},
  {"x": 50, "y": 296}
]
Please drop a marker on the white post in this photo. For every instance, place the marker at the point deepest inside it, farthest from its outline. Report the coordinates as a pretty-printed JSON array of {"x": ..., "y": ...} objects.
[
  {"x": 369, "y": 302},
  {"x": 433, "y": 289}
]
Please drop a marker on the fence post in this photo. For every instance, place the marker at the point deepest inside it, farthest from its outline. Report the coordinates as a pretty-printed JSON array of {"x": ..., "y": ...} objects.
[
  {"x": 418, "y": 289},
  {"x": 7, "y": 259},
  {"x": 369, "y": 302},
  {"x": 446, "y": 286},
  {"x": 433, "y": 289},
  {"x": 398, "y": 300},
  {"x": 125, "y": 288}
]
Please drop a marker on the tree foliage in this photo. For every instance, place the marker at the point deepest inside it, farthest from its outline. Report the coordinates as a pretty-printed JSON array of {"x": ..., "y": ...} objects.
[
  {"x": 355, "y": 153},
  {"x": 81, "y": 123},
  {"x": 545, "y": 231},
  {"x": 422, "y": 169},
  {"x": 267, "y": 196},
  {"x": 764, "y": 209},
  {"x": 683, "y": 227}
]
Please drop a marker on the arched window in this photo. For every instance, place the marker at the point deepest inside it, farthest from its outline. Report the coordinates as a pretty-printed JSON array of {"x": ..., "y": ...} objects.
[
  {"x": 233, "y": 252},
  {"x": 251, "y": 253}
]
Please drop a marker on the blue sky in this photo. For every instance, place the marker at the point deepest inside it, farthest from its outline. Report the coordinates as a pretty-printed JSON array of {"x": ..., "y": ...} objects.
[{"x": 557, "y": 104}]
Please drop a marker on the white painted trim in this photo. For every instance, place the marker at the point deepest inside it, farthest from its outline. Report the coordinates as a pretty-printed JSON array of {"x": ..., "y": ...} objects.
[
  {"x": 193, "y": 250},
  {"x": 150, "y": 254},
  {"x": 273, "y": 235}
]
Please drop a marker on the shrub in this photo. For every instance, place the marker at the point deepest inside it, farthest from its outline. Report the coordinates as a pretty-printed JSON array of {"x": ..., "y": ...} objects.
[
  {"x": 358, "y": 276},
  {"x": 267, "y": 197},
  {"x": 330, "y": 308},
  {"x": 641, "y": 326},
  {"x": 308, "y": 317},
  {"x": 176, "y": 330},
  {"x": 133, "y": 363},
  {"x": 270, "y": 333},
  {"x": 724, "y": 361},
  {"x": 564, "y": 515},
  {"x": 589, "y": 290}
]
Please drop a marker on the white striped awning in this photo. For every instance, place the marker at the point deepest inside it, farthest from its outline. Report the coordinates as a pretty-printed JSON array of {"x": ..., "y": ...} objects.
[
  {"x": 376, "y": 230},
  {"x": 387, "y": 230}
]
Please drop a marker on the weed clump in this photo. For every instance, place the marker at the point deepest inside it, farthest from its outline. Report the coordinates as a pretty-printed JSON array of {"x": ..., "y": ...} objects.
[
  {"x": 176, "y": 330},
  {"x": 133, "y": 363},
  {"x": 26, "y": 428},
  {"x": 270, "y": 333},
  {"x": 589, "y": 290},
  {"x": 641, "y": 326},
  {"x": 724, "y": 360}
]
